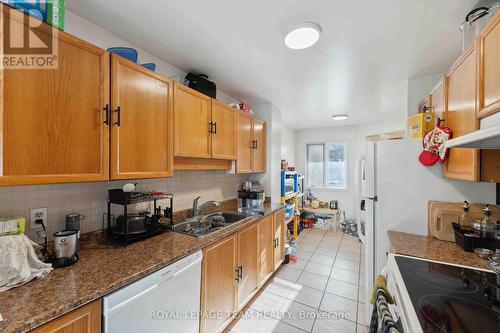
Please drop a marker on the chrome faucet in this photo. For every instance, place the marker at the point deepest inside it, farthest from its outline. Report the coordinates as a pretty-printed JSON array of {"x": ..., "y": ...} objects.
[{"x": 196, "y": 209}]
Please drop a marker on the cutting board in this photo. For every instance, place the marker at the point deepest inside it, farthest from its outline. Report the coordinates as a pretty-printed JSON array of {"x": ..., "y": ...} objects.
[{"x": 443, "y": 213}]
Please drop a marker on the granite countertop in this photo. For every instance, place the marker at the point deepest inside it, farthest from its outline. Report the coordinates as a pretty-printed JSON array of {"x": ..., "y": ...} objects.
[
  {"x": 428, "y": 247},
  {"x": 101, "y": 269}
]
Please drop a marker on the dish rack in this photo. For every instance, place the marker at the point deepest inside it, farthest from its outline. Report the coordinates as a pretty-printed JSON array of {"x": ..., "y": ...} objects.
[
  {"x": 157, "y": 223},
  {"x": 469, "y": 242}
]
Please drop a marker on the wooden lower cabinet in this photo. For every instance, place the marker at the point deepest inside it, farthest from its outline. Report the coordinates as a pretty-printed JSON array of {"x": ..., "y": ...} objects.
[
  {"x": 266, "y": 255},
  {"x": 248, "y": 263},
  {"x": 219, "y": 284},
  {"x": 85, "y": 319},
  {"x": 279, "y": 237}
]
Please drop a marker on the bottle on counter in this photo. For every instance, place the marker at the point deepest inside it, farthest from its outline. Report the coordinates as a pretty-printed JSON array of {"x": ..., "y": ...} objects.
[
  {"x": 465, "y": 220},
  {"x": 488, "y": 226}
]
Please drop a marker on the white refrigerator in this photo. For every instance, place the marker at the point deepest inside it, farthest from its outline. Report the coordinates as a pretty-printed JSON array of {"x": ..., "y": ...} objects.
[{"x": 396, "y": 190}]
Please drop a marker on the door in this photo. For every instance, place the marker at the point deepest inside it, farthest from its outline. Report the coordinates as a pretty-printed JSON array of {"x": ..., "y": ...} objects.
[
  {"x": 244, "y": 163},
  {"x": 489, "y": 67},
  {"x": 192, "y": 123},
  {"x": 53, "y": 121},
  {"x": 437, "y": 99},
  {"x": 279, "y": 237},
  {"x": 462, "y": 163},
  {"x": 85, "y": 319},
  {"x": 224, "y": 131},
  {"x": 266, "y": 257},
  {"x": 259, "y": 135},
  {"x": 218, "y": 280},
  {"x": 142, "y": 135},
  {"x": 248, "y": 260}
]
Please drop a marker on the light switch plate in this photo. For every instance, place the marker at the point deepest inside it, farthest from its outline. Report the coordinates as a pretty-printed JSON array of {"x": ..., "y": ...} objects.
[{"x": 35, "y": 214}]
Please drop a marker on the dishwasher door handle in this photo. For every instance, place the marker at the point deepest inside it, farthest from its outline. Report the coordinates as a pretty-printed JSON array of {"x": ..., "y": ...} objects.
[
  {"x": 173, "y": 273},
  {"x": 133, "y": 298}
]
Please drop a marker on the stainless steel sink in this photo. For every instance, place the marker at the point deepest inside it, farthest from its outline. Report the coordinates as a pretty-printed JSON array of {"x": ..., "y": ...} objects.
[{"x": 204, "y": 225}]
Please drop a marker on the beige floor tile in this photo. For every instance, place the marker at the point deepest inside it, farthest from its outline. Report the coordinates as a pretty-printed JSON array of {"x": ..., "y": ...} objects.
[
  {"x": 351, "y": 249},
  {"x": 299, "y": 264},
  {"x": 339, "y": 306},
  {"x": 328, "y": 251},
  {"x": 313, "y": 280},
  {"x": 362, "y": 329},
  {"x": 306, "y": 247},
  {"x": 298, "y": 315},
  {"x": 289, "y": 273},
  {"x": 310, "y": 242},
  {"x": 348, "y": 256},
  {"x": 341, "y": 288},
  {"x": 306, "y": 295},
  {"x": 322, "y": 259},
  {"x": 344, "y": 275},
  {"x": 363, "y": 314},
  {"x": 347, "y": 264},
  {"x": 282, "y": 327},
  {"x": 253, "y": 322},
  {"x": 319, "y": 269},
  {"x": 332, "y": 325},
  {"x": 314, "y": 236},
  {"x": 268, "y": 303},
  {"x": 305, "y": 255},
  {"x": 362, "y": 280},
  {"x": 362, "y": 296},
  {"x": 278, "y": 286},
  {"x": 329, "y": 243}
]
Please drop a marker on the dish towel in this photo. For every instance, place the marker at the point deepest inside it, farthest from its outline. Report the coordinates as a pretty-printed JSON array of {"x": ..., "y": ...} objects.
[
  {"x": 18, "y": 262},
  {"x": 381, "y": 320}
]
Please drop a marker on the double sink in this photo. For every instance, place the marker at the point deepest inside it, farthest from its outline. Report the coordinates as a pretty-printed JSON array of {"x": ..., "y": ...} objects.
[{"x": 200, "y": 226}]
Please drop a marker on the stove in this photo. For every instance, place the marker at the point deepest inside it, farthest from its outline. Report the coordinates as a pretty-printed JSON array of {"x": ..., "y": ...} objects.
[{"x": 445, "y": 298}]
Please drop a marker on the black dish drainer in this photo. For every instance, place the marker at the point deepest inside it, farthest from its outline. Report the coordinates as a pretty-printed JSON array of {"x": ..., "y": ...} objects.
[{"x": 152, "y": 228}]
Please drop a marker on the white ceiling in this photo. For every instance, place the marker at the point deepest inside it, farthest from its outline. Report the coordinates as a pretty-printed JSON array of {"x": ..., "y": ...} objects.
[{"x": 360, "y": 65}]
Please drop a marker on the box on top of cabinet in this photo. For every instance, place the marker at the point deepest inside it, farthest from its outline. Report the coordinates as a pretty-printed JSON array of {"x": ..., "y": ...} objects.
[
  {"x": 48, "y": 11},
  {"x": 420, "y": 124}
]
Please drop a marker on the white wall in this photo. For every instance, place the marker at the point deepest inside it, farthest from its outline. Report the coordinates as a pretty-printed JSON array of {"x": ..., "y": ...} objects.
[
  {"x": 288, "y": 144},
  {"x": 418, "y": 89},
  {"x": 355, "y": 138}
]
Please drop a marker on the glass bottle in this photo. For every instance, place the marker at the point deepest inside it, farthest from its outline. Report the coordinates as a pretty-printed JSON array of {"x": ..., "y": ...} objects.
[
  {"x": 488, "y": 226},
  {"x": 465, "y": 220}
]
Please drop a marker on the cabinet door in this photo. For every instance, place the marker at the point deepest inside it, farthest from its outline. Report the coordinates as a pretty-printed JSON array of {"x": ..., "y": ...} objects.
[
  {"x": 52, "y": 120},
  {"x": 259, "y": 135},
  {"x": 489, "y": 68},
  {"x": 437, "y": 99},
  {"x": 142, "y": 136},
  {"x": 279, "y": 238},
  {"x": 224, "y": 133},
  {"x": 463, "y": 163},
  {"x": 218, "y": 292},
  {"x": 192, "y": 117},
  {"x": 85, "y": 319},
  {"x": 266, "y": 257},
  {"x": 244, "y": 162},
  {"x": 248, "y": 260},
  {"x": 424, "y": 105}
]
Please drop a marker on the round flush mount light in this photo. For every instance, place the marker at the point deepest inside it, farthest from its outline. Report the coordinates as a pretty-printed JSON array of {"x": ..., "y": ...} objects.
[
  {"x": 340, "y": 116},
  {"x": 302, "y": 35}
]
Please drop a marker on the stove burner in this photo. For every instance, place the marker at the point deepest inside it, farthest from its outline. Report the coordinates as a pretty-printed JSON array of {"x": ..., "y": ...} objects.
[
  {"x": 446, "y": 313},
  {"x": 437, "y": 276}
]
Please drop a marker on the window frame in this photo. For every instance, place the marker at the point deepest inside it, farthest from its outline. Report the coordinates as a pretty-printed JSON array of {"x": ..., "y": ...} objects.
[{"x": 325, "y": 165}]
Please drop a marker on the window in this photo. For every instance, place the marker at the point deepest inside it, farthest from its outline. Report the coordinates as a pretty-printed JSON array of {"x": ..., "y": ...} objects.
[{"x": 326, "y": 165}]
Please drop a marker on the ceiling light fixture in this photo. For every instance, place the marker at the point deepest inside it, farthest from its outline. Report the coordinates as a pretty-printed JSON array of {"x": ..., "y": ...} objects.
[
  {"x": 340, "y": 116},
  {"x": 302, "y": 35}
]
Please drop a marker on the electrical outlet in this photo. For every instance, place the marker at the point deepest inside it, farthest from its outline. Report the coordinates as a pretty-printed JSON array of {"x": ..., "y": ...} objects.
[{"x": 35, "y": 214}]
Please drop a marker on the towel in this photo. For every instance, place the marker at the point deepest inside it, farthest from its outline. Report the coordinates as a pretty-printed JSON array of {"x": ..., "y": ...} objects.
[
  {"x": 18, "y": 262},
  {"x": 381, "y": 319},
  {"x": 381, "y": 283}
]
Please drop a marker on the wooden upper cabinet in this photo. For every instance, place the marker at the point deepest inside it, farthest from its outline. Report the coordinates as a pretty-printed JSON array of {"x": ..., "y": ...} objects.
[
  {"x": 218, "y": 283},
  {"x": 259, "y": 134},
  {"x": 437, "y": 99},
  {"x": 192, "y": 118},
  {"x": 224, "y": 131},
  {"x": 141, "y": 122},
  {"x": 244, "y": 162},
  {"x": 52, "y": 120},
  {"x": 463, "y": 163},
  {"x": 85, "y": 319},
  {"x": 425, "y": 105},
  {"x": 279, "y": 236},
  {"x": 489, "y": 68},
  {"x": 266, "y": 241},
  {"x": 248, "y": 263}
]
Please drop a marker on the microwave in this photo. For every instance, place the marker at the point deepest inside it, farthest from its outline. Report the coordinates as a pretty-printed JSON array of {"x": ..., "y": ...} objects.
[{"x": 289, "y": 185}]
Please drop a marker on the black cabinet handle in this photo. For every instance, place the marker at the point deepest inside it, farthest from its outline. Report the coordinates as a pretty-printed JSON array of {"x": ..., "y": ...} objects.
[
  {"x": 119, "y": 114},
  {"x": 240, "y": 272},
  {"x": 237, "y": 271},
  {"x": 106, "y": 109},
  {"x": 256, "y": 144},
  {"x": 210, "y": 127},
  {"x": 215, "y": 128}
]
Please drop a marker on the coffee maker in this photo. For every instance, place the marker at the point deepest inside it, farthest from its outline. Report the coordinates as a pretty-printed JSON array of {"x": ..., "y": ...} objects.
[{"x": 251, "y": 199}]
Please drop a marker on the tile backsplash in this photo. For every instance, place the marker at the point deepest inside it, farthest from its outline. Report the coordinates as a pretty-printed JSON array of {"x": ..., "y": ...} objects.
[{"x": 90, "y": 199}]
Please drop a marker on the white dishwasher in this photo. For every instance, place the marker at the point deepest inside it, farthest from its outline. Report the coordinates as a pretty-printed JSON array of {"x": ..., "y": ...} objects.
[{"x": 165, "y": 301}]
